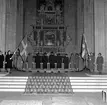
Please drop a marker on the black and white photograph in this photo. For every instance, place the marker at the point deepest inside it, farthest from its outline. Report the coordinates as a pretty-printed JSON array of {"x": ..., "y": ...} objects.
[{"x": 53, "y": 52}]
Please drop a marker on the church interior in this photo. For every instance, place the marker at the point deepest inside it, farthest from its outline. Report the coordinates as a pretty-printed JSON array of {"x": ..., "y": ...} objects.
[
  {"x": 53, "y": 52},
  {"x": 54, "y": 26}
]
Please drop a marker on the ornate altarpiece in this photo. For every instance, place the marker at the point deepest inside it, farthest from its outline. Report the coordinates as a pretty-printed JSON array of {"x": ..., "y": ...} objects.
[{"x": 49, "y": 31}]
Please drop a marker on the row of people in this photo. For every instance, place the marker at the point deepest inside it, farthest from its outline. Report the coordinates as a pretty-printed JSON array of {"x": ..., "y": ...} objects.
[
  {"x": 52, "y": 59},
  {"x": 75, "y": 60},
  {"x": 91, "y": 62}
]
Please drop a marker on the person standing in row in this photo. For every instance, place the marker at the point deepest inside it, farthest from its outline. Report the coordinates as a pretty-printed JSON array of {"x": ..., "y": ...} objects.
[
  {"x": 77, "y": 61},
  {"x": 51, "y": 60},
  {"x": 99, "y": 63},
  {"x": 38, "y": 60},
  {"x": 19, "y": 61},
  {"x": 45, "y": 60},
  {"x": 59, "y": 60},
  {"x": 72, "y": 60},
  {"x": 9, "y": 61},
  {"x": 1, "y": 60},
  {"x": 66, "y": 61},
  {"x": 81, "y": 63},
  {"x": 91, "y": 62},
  {"x": 29, "y": 60},
  {"x": 17, "y": 54}
]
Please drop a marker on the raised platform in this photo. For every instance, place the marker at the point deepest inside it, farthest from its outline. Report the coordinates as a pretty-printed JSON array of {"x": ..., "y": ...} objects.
[{"x": 79, "y": 81}]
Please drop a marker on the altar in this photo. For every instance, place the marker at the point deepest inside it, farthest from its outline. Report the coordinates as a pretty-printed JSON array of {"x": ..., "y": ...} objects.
[{"x": 49, "y": 33}]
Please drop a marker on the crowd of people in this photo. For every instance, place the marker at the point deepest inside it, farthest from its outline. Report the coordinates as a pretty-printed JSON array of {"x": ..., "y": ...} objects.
[{"x": 55, "y": 61}]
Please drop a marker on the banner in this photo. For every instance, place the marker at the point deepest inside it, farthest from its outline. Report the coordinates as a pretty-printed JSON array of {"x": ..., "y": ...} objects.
[
  {"x": 23, "y": 48},
  {"x": 84, "y": 50}
]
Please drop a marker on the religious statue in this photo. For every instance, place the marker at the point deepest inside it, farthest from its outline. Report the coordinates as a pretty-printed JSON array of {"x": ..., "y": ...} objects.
[
  {"x": 58, "y": 11},
  {"x": 38, "y": 21},
  {"x": 58, "y": 14},
  {"x": 42, "y": 8}
]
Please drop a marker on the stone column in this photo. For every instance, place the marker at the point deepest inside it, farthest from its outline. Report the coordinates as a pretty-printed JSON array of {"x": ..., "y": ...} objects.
[
  {"x": 19, "y": 22},
  {"x": 10, "y": 29},
  {"x": 105, "y": 10},
  {"x": 80, "y": 22},
  {"x": 89, "y": 24},
  {"x": 100, "y": 8},
  {"x": 2, "y": 24}
]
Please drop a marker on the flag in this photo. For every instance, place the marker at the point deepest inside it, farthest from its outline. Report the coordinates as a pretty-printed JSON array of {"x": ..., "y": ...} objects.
[
  {"x": 84, "y": 50},
  {"x": 23, "y": 48}
]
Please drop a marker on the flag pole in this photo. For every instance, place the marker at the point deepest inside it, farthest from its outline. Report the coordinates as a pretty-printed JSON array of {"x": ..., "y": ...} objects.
[
  {"x": 4, "y": 61},
  {"x": 20, "y": 44},
  {"x": 83, "y": 34},
  {"x": 86, "y": 55}
]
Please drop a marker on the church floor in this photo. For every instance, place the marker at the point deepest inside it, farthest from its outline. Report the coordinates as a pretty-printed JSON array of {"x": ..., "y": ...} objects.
[{"x": 73, "y": 99}]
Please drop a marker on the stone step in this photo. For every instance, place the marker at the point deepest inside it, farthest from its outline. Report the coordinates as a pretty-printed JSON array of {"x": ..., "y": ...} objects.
[
  {"x": 78, "y": 84},
  {"x": 12, "y": 80},
  {"x": 76, "y": 87},
  {"x": 72, "y": 81},
  {"x": 12, "y": 83},
  {"x": 61, "y": 77},
  {"x": 75, "y": 84},
  {"x": 11, "y": 90},
  {"x": 74, "y": 90},
  {"x": 13, "y": 77}
]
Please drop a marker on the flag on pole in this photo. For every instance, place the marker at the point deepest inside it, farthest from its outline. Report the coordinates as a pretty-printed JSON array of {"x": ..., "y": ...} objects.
[
  {"x": 84, "y": 50},
  {"x": 23, "y": 48}
]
